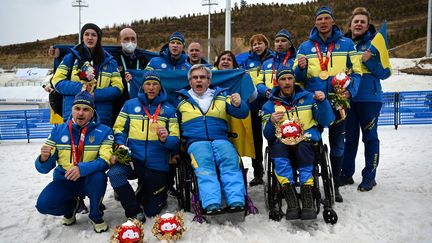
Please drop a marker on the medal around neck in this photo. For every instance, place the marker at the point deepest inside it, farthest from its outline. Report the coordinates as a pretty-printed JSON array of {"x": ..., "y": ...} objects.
[{"x": 324, "y": 75}]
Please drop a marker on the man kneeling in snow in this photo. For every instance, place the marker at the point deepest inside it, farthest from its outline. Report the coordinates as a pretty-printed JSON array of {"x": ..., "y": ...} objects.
[{"x": 81, "y": 149}]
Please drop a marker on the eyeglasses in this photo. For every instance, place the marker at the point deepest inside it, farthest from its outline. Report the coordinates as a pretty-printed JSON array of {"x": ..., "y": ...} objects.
[{"x": 196, "y": 77}]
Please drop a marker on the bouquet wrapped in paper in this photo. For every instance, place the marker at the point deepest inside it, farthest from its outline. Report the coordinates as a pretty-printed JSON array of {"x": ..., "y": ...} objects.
[
  {"x": 338, "y": 100},
  {"x": 130, "y": 232},
  {"x": 290, "y": 132},
  {"x": 87, "y": 75},
  {"x": 169, "y": 226},
  {"x": 122, "y": 154}
]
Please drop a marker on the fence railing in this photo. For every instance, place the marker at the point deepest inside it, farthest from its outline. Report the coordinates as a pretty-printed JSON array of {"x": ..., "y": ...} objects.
[{"x": 399, "y": 108}]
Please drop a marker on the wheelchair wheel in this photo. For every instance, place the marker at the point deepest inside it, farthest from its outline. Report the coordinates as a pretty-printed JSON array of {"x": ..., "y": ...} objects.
[
  {"x": 273, "y": 200},
  {"x": 183, "y": 181},
  {"x": 330, "y": 216},
  {"x": 326, "y": 175}
]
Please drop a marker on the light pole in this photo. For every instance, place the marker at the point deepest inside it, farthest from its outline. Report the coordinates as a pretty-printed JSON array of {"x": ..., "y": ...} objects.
[
  {"x": 209, "y": 3},
  {"x": 228, "y": 25},
  {"x": 428, "y": 35},
  {"x": 80, "y": 4}
]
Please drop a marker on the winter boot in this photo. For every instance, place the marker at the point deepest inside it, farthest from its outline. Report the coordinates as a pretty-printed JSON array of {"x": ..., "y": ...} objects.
[
  {"x": 308, "y": 210},
  {"x": 69, "y": 218},
  {"x": 338, "y": 196},
  {"x": 366, "y": 186},
  {"x": 128, "y": 200},
  {"x": 256, "y": 181},
  {"x": 293, "y": 209},
  {"x": 99, "y": 226}
]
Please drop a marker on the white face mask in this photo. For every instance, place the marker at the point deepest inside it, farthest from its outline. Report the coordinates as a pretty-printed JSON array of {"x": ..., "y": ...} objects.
[{"x": 129, "y": 47}]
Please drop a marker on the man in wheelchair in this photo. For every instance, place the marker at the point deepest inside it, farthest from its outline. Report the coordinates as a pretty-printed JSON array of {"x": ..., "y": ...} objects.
[
  {"x": 290, "y": 119},
  {"x": 202, "y": 114}
]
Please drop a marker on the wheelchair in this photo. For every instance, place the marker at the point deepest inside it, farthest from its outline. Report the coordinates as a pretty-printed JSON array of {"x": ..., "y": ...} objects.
[
  {"x": 322, "y": 170},
  {"x": 188, "y": 195}
]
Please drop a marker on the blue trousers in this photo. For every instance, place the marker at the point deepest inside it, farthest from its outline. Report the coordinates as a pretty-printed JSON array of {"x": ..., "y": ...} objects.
[
  {"x": 206, "y": 156},
  {"x": 59, "y": 196},
  {"x": 362, "y": 116},
  {"x": 153, "y": 193},
  {"x": 304, "y": 155}
]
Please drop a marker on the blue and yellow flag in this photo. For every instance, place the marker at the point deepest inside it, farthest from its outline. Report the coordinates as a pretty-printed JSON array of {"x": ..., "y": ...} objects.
[
  {"x": 380, "y": 44},
  {"x": 234, "y": 80}
]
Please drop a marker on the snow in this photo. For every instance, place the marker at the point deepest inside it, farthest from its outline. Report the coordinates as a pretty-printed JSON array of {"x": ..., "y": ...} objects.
[{"x": 396, "y": 210}]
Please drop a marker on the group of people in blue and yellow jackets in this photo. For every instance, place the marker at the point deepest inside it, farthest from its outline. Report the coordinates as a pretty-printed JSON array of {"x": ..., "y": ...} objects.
[{"x": 295, "y": 94}]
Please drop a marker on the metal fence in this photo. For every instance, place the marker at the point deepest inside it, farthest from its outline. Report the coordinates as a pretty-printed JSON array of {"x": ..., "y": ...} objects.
[{"x": 399, "y": 108}]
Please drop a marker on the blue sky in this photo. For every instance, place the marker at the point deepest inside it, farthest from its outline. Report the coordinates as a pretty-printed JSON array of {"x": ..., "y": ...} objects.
[{"x": 29, "y": 20}]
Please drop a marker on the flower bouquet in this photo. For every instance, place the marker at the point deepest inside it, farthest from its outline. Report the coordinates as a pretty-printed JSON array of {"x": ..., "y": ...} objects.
[
  {"x": 122, "y": 154},
  {"x": 87, "y": 75},
  {"x": 338, "y": 100},
  {"x": 169, "y": 226}
]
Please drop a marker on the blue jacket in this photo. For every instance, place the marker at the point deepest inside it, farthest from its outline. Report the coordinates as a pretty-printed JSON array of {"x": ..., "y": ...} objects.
[
  {"x": 370, "y": 89},
  {"x": 109, "y": 85},
  {"x": 198, "y": 126},
  {"x": 270, "y": 67},
  {"x": 133, "y": 130},
  {"x": 304, "y": 107},
  {"x": 96, "y": 153},
  {"x": 343, "y": 56},
  {"x": 164, "y": 61}
]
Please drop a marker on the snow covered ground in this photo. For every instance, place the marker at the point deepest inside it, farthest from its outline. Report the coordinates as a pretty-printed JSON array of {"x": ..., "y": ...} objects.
[{"x": 396, "y": 210}]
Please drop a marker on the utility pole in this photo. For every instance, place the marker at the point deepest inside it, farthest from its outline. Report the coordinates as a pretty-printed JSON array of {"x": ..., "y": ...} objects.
[
  {"x": 209, "y": 3},
  {"x": 428, "y": 36},
  {"x": 80, "y": 4},
  {"x": 228, "y": 25}
]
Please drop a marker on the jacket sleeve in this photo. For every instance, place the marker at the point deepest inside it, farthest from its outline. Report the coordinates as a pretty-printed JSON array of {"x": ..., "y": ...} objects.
[
  {"x": 240, "y": 112},
  {"x": 299, "y": 74},
  {"x": 172, "y": 142},
  {"x": 269, "y": 129},
  {"x": 60, "y": 79},
  {"x": 374, "y": 65},
  {"x": 121, "y": 126},
  {"x": 261, "y": 87},
  {"x": 115, "y": 89},
  {"x": 102, "y": 162},
  {"x": 354, "y": 63},
  {"x": 50, "y": 163},
  {"x": 323, "y": 113}
]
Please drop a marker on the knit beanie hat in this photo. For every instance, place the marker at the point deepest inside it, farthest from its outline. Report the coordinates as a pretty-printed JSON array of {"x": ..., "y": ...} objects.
[
  {"x": 177, "y": 36},
  {"x": 84, "y": 98},
  {"x": 284, "y": 70},
  {"x": 151, "y": 76},
  {"x": 93, "y": 27},
  {"x": 324, "y": 10},
  {"x": 285, "y": 34}
]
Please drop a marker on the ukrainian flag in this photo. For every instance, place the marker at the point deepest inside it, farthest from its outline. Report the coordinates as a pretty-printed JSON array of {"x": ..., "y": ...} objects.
[{"x": 380, "y": 44}]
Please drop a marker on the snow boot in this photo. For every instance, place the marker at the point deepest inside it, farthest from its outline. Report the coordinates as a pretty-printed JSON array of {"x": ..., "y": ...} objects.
[
  {"x": 69, "y": 218},
  {"x": 293, "y": 209},
  {"x": 338, "y": 196},
  {"x": 99, "y": 226},
  {"x": 366, "y": 186},
  {"x": 128, "y": 200},
  {"x": 308, "y": 210}
]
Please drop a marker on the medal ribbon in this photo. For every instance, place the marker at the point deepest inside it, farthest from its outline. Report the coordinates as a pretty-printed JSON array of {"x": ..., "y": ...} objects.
[
  {"x": 153, "y": 118},
  {"x": 320, "y": 56},
  {"x": 287, "y": 55},
  {"x": 77, "y": 152}
]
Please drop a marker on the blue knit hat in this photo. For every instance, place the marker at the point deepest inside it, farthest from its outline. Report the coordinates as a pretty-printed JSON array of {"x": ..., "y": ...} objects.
[
  {"x": 177, "y": 36},
  {"x": 151, "y": 76},
  {"x": 283, "y": 71},
  {"x": 84, "y": 98},
  {"x": 285, "y": 34},
  {"x": 324, "y": 10}
]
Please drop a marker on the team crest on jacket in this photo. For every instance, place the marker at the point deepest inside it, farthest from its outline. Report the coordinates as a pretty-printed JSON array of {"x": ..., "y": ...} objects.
[
  {"x": 313, "y": 49},
  {"x": 161, "y": 111},
  {"x": 137, "y": 109},
  {"x": 183, "y": 68},
  {"x": 91, "y": 139},
  {"x": 337, "y": 46},
  {"x": 269, "y": 65},
  {"x": 363, "y": 47},
  {"x": 104, "y": 68},
  {"x": 163, "y": 65},
  {"x": 120, "y": 68},
  {"x": 111, "y": 137},
  {"x": 252, "y": 64},
  {"x": 64, "y": 139},
  {"x": 301, "y": 101}
]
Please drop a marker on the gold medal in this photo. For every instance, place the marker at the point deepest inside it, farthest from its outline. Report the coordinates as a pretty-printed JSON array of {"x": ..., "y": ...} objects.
[
  {"x": 279, "y": 108},
  {"x": 154, "y": 126},
  {"x": 324, "y": 75}
]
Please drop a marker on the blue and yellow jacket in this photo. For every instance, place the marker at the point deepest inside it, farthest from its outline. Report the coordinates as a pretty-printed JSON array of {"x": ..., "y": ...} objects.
[
  {"x": 303, "y": 107},
  {"x": 164, "y": 61},
  {"x": 109, "y": 85},
  {"x": 133, "y": 130},
  {"x": 265, "y": 77},
  {"x": 344, "y": 56},
  {"x": 370, "y": 89},
  {"x": 195, "y": 125},
  {"x": 96, "y": 153}
]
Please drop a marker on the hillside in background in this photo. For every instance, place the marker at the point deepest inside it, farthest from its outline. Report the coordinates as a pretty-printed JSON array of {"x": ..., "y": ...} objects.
[{"x": 406, "y": 26}]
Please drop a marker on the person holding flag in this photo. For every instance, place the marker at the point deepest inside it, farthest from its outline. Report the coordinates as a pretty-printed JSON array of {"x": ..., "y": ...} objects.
[
  {"x": 366, "y": 105},
  {"x": 320, "y": 60}
]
